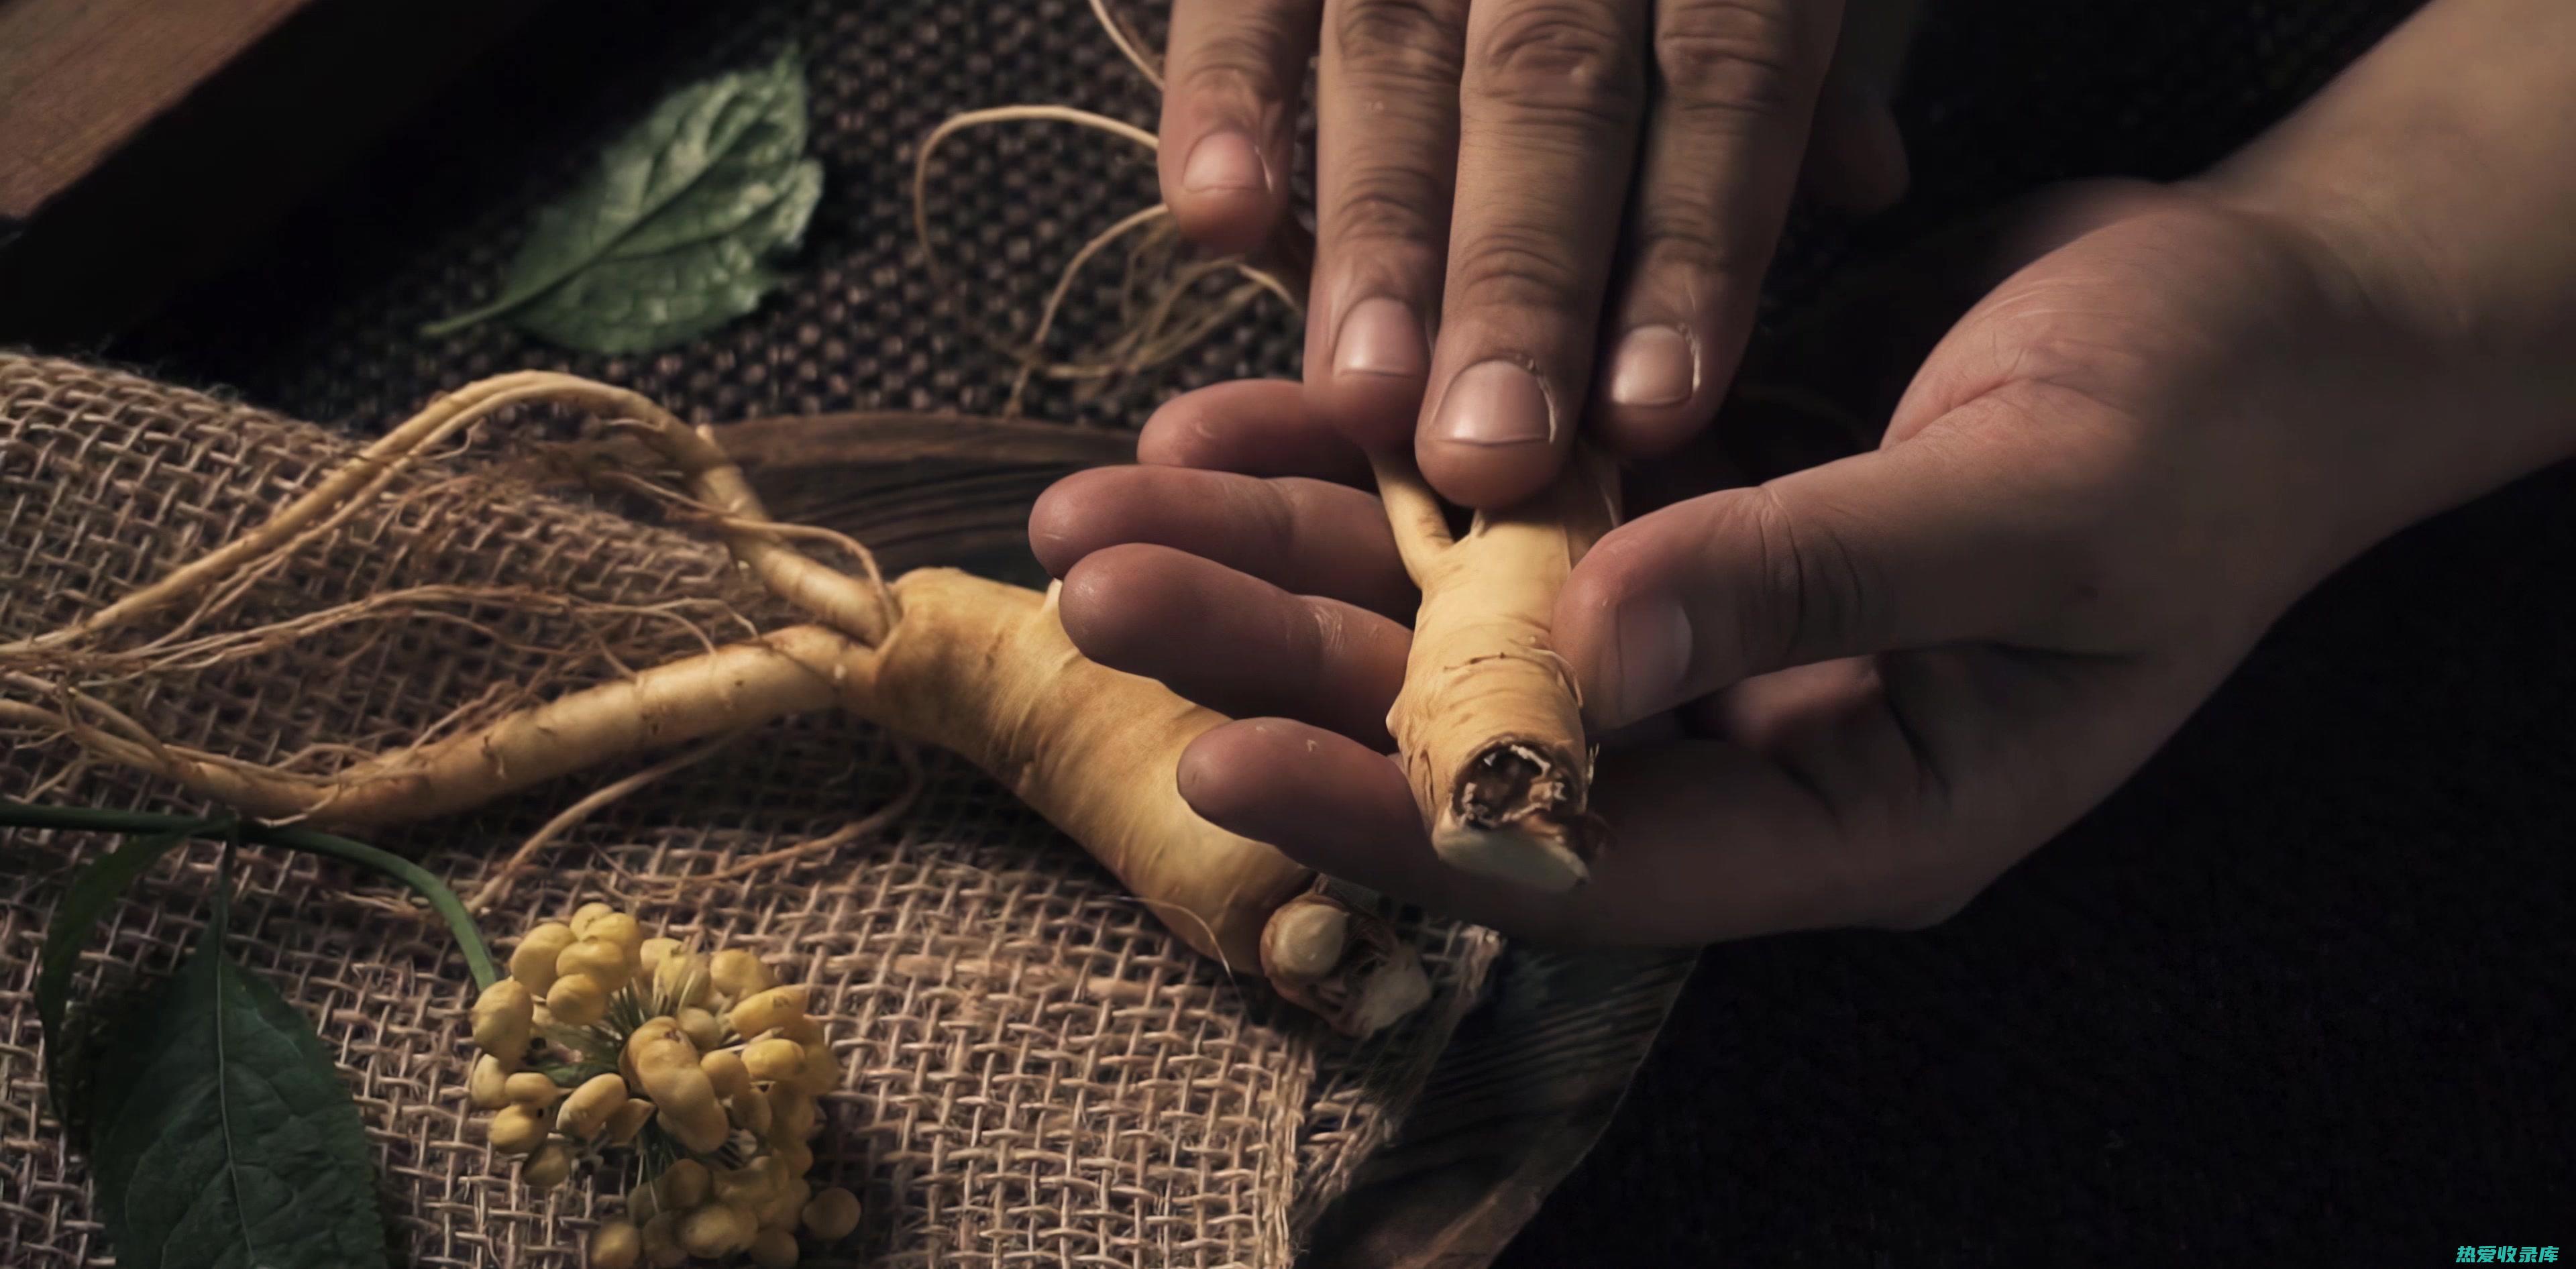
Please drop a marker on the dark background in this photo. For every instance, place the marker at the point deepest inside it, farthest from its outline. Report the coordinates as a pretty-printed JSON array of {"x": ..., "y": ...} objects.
[{"x": 2296, "y": 995}]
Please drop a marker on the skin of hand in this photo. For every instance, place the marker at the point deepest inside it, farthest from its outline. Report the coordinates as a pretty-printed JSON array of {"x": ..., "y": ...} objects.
[
  {"x": 1855, "y": 693},
  {"x": 1505, "y": 188}
]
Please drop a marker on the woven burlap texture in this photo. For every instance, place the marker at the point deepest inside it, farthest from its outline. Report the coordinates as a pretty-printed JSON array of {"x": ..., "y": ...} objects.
[{"x": 1036, "y": 1073}]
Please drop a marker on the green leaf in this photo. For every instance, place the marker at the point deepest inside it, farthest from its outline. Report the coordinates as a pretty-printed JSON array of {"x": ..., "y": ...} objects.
[
  {"x": 671, "y": 236},
  {"x": 82, "y": 905},
  {"x": 221, "y": 1135}
]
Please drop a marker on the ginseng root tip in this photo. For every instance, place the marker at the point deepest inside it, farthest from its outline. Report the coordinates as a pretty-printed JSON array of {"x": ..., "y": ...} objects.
[
  {"x": 1351, "y": 967},
  {"x": 1520, "y": 817}
]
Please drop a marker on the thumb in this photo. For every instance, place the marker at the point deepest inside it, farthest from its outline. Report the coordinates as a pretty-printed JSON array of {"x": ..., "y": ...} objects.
[{"x": 1911, "y": 546}]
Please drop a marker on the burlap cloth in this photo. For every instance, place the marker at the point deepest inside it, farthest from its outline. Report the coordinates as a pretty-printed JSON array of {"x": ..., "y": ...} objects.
[{"x": 1037, "y": 1073}]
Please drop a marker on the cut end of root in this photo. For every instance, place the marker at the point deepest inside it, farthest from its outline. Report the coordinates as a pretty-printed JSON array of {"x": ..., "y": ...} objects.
[
  {"x": 1305, "y": 940},
  {"x": 1349, "y": 967},
  {"x": 1389, "y": 995},
  {"x": 1520, "y": 817},
  {"x": 1509, "y": 854}
]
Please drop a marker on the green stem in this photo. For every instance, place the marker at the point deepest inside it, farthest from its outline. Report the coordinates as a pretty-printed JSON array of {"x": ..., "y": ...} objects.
[
  {"x": 508, "y": 301},
  {"x": 478, "y": 959},
  {"x": 85, "y": 819}
]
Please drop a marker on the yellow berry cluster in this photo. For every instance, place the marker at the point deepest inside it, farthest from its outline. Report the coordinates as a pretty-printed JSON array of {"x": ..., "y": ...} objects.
[{"x": 704, "y": 1066}]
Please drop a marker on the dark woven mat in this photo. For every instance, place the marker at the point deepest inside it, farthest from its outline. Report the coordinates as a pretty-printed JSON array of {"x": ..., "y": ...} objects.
[{"x": 2297, "y": 995}]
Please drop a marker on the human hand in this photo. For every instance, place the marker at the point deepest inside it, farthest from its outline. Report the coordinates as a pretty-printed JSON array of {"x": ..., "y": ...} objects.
[
  {"x": 1476, "y": 165},
  {"x": 1849, "y": 695}
]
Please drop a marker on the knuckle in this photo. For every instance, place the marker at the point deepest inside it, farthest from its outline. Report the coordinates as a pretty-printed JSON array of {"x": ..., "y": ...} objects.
[
  {"x": 1567, "y": 56},
  {"x": 1239, "y": 63},
  {"x": 1516, "y": 267},
  {"x": 1816, "y": 594},
  {"x": 1389, "y": 203},
  {"x": 1399, "y": 42},
  {"x": 1684, "y": 242},
  {"x": 1736, "y": 58}
]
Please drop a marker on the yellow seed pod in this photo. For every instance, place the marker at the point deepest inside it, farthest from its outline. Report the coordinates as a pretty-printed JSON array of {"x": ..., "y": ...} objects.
[
  {"x": 519, "y": 1129},
  {"x": 699, "y": 1124},
  {"x": 618, "y": 928},
  {"x": 531, "y": 1088},
  {"x": 738, "y": 973},
  {"x": 725, "y": 1070},
  {"x": 540, "y": 1017},
  {"x": 533, "y": 963},
  {"x": 486, "y": 1084},
  {"x": 502, "y": 1017},
  {"x": 773, "y": 1059},
  {"x": 576, "y": 1000},
  {"x": 786, "y": 1204},
  {"x": 650, "y": 953},
  {"x": 716, "y": 1230},
  {"x": 772, "y": 1008},
  {"x": 601, "y": 961},
  {"x": 549, "y": 1167},
  {"x": 751, "y": 1110},
  {"x": 681, "y": 980},
  {"x": 774, "y": 1249},
  {"x": 586, "y": 915},
  {"x": 804, "y": 1029},
  {"x": 579, "y": 1000},
  {"x": 792, "y": 1115},
  {"x": 659, "y": 1042},
  {"x": 821, "y": 1072},
  {"x": 702, "y": 1028},
  {"x": 732, "y": 1185},
  {"x": 796, "y": 1155},
  {"x": 628, "y": 1120},
  {"x": 644, "y": 1201},
  {"x": 588, "y": 1108},
  {"x": 616, "y": 1245},
  {"x": 832, "y": 1214},
  {"x": 661, "y": 1237},
  {"x": 684, "y": 1185},
  {"x": 666, "y": 1064}
]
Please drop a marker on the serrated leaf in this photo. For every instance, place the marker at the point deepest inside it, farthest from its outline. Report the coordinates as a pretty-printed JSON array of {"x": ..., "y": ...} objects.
[
  {"x": 221, "y": 1136},
  {"x": 672, "y": 235},
  {"x": 83, "y": 903}
]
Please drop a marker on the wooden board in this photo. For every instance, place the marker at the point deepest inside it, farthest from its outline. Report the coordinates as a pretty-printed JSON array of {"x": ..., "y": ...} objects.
[
  {"x": 80, "y": 78},
  {"x": 144, "y": 143}
]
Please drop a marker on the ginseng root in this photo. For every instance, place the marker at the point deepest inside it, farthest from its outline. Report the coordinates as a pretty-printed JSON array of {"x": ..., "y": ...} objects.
[
  {"x": 978, "y": 667},
  {"x": 1489, "y": 724}
]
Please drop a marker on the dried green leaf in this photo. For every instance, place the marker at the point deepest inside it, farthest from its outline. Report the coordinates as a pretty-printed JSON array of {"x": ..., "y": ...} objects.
[
  {"x": 221, "y": 1135},
  {"x": 673, "y": 234}
]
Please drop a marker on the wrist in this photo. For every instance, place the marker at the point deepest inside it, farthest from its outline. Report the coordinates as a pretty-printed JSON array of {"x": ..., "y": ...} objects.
[
  {"x": 2442, "y": 203},
  {"x": 2440, "y": 384}
]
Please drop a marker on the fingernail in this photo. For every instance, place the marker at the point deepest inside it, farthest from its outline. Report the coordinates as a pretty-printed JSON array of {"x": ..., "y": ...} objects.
[
  {"x": 1652, "y": 642},
  {"x": 1380, "y": 337},
  {"x": 1493, "y": 403},
  {"x": 1652, "y": 367},
  {"x": 1224, "y": 161}
]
